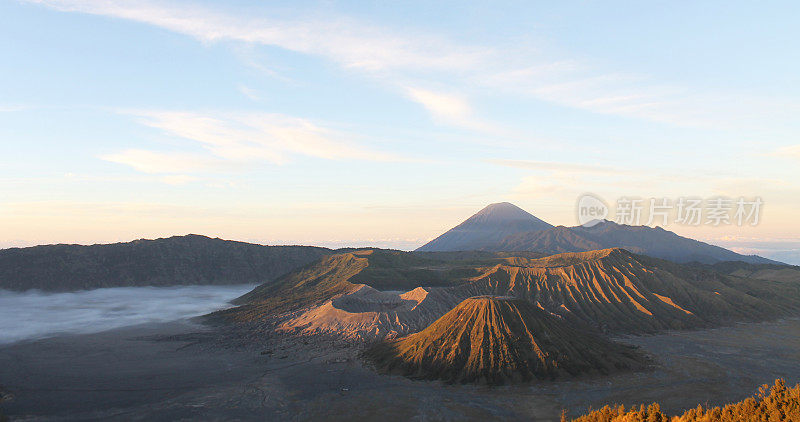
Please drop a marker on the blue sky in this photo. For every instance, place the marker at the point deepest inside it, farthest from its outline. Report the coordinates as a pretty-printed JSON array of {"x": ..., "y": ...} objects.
[{"x": 344, "y": 123}]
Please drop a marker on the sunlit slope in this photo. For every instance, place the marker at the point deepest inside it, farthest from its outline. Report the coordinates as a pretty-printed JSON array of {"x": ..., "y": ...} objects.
[
  {"x": 356, "y": 273},
  {"x": 617, "y": 291},
  {"x": 496, "y": 340},
  {"x": 377, "y": 293}
]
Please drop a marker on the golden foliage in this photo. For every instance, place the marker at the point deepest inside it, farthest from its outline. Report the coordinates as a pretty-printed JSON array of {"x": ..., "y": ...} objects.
[{"x": 778, "y": 403}]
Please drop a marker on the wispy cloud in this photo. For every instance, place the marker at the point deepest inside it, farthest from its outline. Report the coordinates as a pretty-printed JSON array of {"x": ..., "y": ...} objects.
[
  {"x": 558, "y": 166},
  {"x": 233, "y": 139},
  {"x": 583, "y": 86},
  {"x": 12, "y": 108},
  {"x": 443, "y": 106},
  {"x": 451, "y": 109},
  {"x": 344, "y": 40},
  {"x": 162, "y": 161},
  {"x": 416, "y": 57},
  {"x": 178, "y": 179},
  {"x": 791, "y": 151},
  {"x": 248, "y": 92}
]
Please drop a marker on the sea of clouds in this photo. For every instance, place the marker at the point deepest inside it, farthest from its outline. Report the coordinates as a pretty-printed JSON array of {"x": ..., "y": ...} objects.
[{"x": 34, "y": 314}]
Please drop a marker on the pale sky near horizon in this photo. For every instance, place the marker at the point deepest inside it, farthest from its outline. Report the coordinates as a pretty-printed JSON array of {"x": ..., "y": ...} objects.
[{"x": 354, "y": 123}]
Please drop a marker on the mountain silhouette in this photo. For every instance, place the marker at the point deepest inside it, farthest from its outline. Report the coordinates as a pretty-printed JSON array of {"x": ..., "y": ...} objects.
[
  {"x": 651, "y": 241},
  {"x": 177, "y": 260},
  {"x": 506, "y": 227}
]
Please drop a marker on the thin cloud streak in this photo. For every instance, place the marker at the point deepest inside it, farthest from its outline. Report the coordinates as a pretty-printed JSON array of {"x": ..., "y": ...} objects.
[
  {"x": 12, "y": 108},
  {"x": 248, "y": 92},
  {"x": 557, "y": 166},
  {"x": 790, "y": 151},
  {"x": 350, "y": 43},
  {"x": 154, "y": 162},
  {"x": 234, "y": 139},
  {"x": 450, "y": 109}
]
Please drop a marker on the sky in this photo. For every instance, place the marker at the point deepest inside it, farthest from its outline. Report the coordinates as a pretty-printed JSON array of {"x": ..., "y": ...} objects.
[{"x": 386, "y": 123}]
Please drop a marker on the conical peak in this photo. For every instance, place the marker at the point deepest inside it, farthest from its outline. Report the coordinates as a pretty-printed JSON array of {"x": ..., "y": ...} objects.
[
  {"x": 503, "y": 211},
  {"x": 503, "y": 214},
  {"x": 498, "y": 339},
  {"x": 486, "y": 228}
]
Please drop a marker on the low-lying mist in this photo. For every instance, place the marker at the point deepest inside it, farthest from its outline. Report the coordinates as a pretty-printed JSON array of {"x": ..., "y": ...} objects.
[{"x": 34, "y": 314}]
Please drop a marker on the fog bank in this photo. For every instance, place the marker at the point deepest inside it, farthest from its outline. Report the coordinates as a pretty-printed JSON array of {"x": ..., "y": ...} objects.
[{"x": 35, "y": 314}]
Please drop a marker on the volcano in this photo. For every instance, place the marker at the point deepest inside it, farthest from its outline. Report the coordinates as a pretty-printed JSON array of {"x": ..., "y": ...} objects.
[
  {"x": 496, "y": 340},
  {"x": 486, "y": 228},
  {"x": 505, "y": 227},
  {"x": 375, "y": 294}
]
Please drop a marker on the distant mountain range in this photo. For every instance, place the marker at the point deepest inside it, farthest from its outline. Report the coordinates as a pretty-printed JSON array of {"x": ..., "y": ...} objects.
[
  {"x": 195, "y": 259},
  {"x": 522, "y": 231},
  {"x": 178, "y": 260}
]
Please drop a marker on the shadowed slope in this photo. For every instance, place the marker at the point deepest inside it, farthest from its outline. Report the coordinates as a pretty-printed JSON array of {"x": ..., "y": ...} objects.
[
  {"x": 559, "y": 239},
  {"x": 496, "y": 340},
  {"x": 786, "y": 273},
  {"x": 487, "y": 227},
  {"x": 306, "y": 287},
  {"x": 655, "y": 242},
  {"x": 344, "y": 274}
]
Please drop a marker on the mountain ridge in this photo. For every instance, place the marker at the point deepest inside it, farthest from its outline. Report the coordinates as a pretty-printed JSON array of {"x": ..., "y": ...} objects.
[
  {"x": 506, "y": 232},
  {"x": 611, "y": 290},
  {"x": 176, "y": 260},
  {"x": 652, "y": 241}
]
